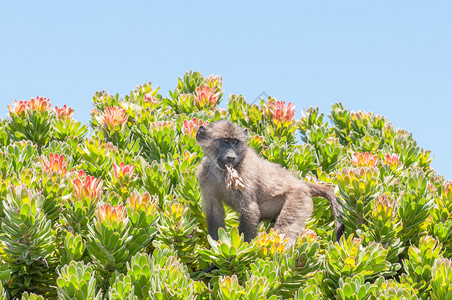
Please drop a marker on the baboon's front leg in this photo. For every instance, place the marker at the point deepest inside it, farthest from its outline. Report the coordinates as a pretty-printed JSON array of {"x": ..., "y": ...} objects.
[
  {"x": 249, "y": 219},
  {"x": 214, "y": 217}
]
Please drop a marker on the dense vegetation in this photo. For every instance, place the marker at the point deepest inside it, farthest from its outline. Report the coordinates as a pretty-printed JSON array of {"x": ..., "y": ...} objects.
[{"x": 117, "y": 214}]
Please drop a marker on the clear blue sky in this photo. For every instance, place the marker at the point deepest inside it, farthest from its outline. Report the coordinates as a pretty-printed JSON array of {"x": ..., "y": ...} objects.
[{"x": 390, "y": 57}]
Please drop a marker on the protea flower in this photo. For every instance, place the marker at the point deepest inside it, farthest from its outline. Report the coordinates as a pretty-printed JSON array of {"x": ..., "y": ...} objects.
[
  {"x": 109, "y": 239},
  {"x": 384, "y": 207},
  {"x": 160, "y": 125},
  {"x": 114, "y": 118},
  {"x": 149, "y": 98},
  {"x": 40, "y": 104},
  {"x": 441, "y": 279},
  {"x": 307, "y": 235},
  {"x": 279, "y": 111},
  {"x": 364, "y": 160},
  {"x": 79, "y": 174},
  {"x": 142, "y": 203},
  {"x": 446, "y": 191},
  {"x": 91, "y": 188},
  {"x": 123, "y": 170},
  {"x": 361, "y": 116},
  {"x": 205, "y": 97},
  {"x": 271, "y": 243},
  {"x": 175, "y": 212},
  {"x": 19, "y": 107},
  {"x": 110, "y": 213},
  {"x": 64, "y": 112},
  {"x": 55, "y": 163},
  {"x": 214, "y": 82},
  {"x": 392, "y": 159},
  {"x": 191, "y": 127}
]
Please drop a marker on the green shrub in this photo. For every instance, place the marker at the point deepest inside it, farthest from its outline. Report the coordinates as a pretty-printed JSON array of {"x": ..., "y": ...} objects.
[{"x": 118, "y": 213}]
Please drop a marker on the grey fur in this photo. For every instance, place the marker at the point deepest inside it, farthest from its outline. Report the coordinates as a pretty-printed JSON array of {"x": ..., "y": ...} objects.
[{"x": 271, "y": 192}]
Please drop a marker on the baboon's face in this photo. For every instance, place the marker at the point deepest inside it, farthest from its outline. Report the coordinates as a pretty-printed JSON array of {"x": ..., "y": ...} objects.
[{"x": 223, "y": 142}]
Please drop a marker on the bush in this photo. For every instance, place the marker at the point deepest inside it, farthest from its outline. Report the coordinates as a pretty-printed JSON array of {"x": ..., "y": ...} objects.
[{"x": 118, "y": 214}]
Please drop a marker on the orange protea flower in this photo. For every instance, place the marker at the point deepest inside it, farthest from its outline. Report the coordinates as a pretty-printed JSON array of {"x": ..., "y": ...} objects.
[
  {"x": 279, "y": 111},
  {"x": 55, "y": 163},
  {"x": 40, "y": 104},
  {"x": 79, "y": 174},
  {"x": 271, "y": 243},
  {"x": 259, "y": 139},
  {"x": 205, "y": 97},
  {"x": 364, "y": 159},
  {"x": 110, "y": 213},
  {"x": 64, "y": 112},
  {"x": 113, "y": 117},
  {"x": 188, "y": 156},
  {"x": 191, "y": 127},
  {"x": 91, "y": 188},
  {"x": 19, "y": 107},
  {"x": 136, "y": 202},
  {"x": 357, "y": 242},
  {"x": 392, "y": 159},
  {"x": 122, "y": 170}
]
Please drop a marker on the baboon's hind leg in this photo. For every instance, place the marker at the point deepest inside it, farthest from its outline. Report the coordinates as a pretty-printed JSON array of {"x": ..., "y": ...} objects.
[{"x": 292, "y": 219}]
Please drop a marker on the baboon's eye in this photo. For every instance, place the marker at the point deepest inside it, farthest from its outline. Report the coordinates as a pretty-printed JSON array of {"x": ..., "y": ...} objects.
[
  {"x": 226, "y": 141},
  {"x": 235, "y": 141}
]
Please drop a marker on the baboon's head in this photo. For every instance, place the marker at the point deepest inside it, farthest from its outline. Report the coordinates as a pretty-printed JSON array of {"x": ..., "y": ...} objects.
[{"x": 223, "y": 142}]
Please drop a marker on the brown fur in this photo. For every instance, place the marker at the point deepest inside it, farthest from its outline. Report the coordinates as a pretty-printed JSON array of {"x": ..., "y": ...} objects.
[{"x": 271, "y": 192}]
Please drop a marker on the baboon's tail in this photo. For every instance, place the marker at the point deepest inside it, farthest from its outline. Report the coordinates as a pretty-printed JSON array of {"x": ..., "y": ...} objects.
[{"x": 324, "y": 191}]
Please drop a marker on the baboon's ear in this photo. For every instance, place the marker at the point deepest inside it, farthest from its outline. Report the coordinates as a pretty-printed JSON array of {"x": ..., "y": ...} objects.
[
  {"x": 245, "y": 131},
  {"x": 201, "y": 134}
]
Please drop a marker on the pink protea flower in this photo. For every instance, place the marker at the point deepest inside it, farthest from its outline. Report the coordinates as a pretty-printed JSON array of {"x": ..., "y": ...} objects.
[
  {"x": 149, "y": 98},
  {"x": 91, "y": 188},
  {"x": 205, "y": 97},
  {"x": 122, "y": 170},
  {"x": 364, "y": 159},
  {"x": 279, "y": 111},
  {"x": 110, "y": 213},
  {"x": 19, "y": 107},
  {"x": 392, "y": 159},
  {"x": 64, "y": 112},
  {"x": 191, "y": 127},
  {"x": 114, "y": 116},
  {"x": 55, "y": 163},
  {"x": 40, "y": 104}
]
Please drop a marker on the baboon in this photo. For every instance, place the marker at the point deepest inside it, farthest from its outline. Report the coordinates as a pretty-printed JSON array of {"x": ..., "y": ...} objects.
[{"x": 270, "y": 192}]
